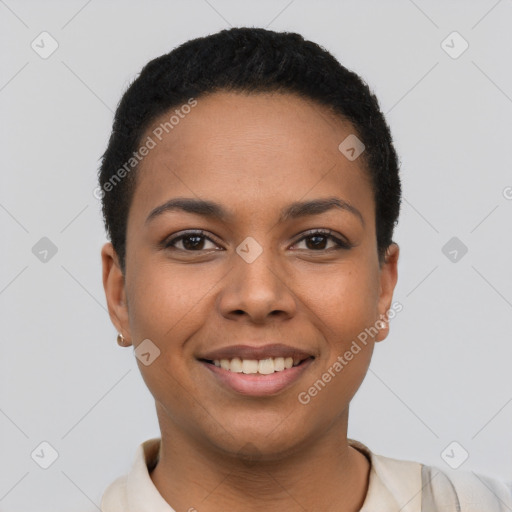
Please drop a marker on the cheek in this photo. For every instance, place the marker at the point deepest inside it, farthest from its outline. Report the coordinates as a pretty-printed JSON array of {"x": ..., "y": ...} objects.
[
  {"x": 345, "y": 300},
  {"x": 344, "y": 307},
  {"x": 164, "y": 305},
  {"x": 163, "y": 300}
]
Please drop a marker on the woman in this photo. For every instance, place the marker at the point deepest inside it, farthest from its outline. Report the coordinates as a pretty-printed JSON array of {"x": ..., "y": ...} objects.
[{"x": 250, "y": 189}]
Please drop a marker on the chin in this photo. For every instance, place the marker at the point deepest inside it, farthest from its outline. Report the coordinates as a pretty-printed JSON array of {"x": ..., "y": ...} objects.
[{"x": 262, "y": 441}]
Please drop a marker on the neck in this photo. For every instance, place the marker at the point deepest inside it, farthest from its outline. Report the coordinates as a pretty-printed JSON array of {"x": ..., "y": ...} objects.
[{"x": 326, "y": 474}]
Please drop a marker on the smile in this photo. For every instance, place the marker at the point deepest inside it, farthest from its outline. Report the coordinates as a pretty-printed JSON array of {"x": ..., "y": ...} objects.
[
  {"x": 254, "y": 366},
  {"x": 256, "y": 371}
]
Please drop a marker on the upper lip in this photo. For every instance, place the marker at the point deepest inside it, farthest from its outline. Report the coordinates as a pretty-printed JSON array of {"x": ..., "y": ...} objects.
[{"x": 253, "y": 352}]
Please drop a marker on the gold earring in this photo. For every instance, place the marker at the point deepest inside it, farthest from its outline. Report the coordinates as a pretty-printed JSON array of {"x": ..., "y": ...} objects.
[{"x": 121, "y": 341}]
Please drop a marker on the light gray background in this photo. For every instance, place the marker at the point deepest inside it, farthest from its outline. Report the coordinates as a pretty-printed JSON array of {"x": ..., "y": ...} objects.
[{"x": 442, "y": 375}]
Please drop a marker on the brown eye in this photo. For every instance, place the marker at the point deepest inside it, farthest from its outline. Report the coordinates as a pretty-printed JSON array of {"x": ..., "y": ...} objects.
[
  {"x": 191, "y": 242},
  {"x": 318, "y": 240}
]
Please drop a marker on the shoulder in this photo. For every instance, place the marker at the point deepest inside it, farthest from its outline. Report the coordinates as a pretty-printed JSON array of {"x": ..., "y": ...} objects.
[
  {"x": 114, "y": 497},
  {"x": 411, "y": 486},
  {"x": 471, "y": 491},
  {"x": 448, "y": 490},
  {"x": 135, "y": 490}
]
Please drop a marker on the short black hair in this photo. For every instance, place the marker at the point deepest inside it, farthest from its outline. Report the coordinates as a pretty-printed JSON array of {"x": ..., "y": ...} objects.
[{"x": 251, "y": 60}]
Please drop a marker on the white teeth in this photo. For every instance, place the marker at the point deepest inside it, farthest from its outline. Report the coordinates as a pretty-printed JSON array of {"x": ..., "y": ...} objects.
[
  {"x": 252, "y": 366},
  {"x": 235, "y": 365},
  {"x": 266, "y": 366},
  {"x": 249, "y": 366},
  {"x": 279, "y": 364}
]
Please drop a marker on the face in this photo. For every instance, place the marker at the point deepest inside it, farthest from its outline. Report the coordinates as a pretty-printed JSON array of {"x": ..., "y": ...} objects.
[{"x": 283, "y": 265}]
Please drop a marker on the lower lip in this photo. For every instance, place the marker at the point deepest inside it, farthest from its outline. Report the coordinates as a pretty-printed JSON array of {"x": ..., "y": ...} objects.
[{"x": 258, "y": 384}]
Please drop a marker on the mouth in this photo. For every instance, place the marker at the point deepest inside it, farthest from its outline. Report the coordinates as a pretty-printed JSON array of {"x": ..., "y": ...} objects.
[
  {"x": 266, "y": 366},
  {"x": 256, "y": 371}
]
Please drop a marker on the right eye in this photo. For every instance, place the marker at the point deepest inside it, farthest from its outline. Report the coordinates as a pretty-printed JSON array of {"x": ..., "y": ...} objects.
[{"x": 191, "y": 241}]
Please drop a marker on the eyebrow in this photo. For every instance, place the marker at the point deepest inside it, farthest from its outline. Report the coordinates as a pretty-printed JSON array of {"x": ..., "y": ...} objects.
[{"x": 213, "y": 210}]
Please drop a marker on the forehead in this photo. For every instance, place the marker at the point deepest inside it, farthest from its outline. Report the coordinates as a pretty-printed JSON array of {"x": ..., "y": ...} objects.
[
  {"x": 275, "y": 125},
  {"x": 248, "y": 149}
]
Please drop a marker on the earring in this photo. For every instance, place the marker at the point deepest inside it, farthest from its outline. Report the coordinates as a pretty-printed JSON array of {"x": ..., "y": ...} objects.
[{"x": 121, "y": 341}]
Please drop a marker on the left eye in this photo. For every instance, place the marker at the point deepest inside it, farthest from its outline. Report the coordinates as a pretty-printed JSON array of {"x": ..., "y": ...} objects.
[{"x": 318, "y": 240}]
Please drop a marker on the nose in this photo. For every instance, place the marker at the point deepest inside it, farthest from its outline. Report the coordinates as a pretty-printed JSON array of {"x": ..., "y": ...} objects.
[{"x": 257, "y": 291}]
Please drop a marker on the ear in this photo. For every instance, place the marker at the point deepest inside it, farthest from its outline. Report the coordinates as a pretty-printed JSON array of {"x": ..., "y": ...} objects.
[
  {"x": 114, "y": 286},
  {"x": 388, "y": 279}
]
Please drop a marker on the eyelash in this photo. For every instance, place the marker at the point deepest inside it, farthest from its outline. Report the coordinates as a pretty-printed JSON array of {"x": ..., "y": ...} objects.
[{"x": 340, "y": 244}]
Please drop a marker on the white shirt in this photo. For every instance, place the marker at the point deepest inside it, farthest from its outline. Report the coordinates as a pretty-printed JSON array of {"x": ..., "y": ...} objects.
[{"x": 394, "y": 486}]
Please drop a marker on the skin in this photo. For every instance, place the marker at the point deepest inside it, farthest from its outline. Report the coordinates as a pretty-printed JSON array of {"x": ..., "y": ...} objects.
[{"x": 254, "y": 154}]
